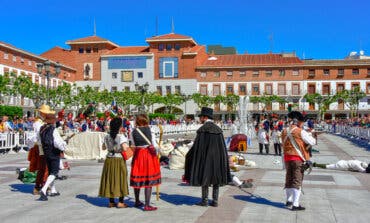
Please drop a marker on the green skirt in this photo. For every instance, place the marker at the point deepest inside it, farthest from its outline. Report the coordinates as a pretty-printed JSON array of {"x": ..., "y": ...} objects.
[{"x": 113, "y": 181}]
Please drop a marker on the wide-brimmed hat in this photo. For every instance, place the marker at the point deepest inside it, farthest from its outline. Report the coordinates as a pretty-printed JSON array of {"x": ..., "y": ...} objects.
[
  {"x": 206, "y": 112},
  {"x": 45, "y": 109},
  {"x": 50, "y": 118},
  {"x": 296, "y": 115}
]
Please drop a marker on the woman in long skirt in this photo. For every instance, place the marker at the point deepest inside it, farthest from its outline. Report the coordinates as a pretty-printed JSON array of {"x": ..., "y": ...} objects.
[{"x": 114, "y": 177}]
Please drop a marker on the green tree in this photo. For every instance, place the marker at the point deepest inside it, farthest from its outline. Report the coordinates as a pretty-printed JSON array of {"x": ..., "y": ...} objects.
[
  {"x": 323, "y": 102},
  {"x": 171, "y": 100},
  {"x": 351, "y": 99},
  {"x": 201, "y": 100},
  {"x": 4, "y": 82}
]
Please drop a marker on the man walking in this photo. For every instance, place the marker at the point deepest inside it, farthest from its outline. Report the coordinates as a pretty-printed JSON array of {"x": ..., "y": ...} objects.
[
  {"x": 207, "y": 161},
  {"x": 295, "y": 142}
]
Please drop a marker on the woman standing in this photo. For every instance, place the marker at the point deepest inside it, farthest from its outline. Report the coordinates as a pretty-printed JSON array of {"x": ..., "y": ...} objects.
[
  {"x": 113, "y": 181},
  {"x": 145, "y": 168}
]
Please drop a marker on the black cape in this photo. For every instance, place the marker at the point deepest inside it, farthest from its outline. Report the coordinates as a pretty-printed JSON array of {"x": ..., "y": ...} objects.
[{"x": 207, "y": 161}]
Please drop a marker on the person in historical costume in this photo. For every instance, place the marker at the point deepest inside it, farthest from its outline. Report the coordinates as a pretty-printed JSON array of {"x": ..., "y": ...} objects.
[
  {"x": 276, "y": 140},
  {"x": 52, "y": 144},
  {"x": 36, "y": 153},
  {"x": 207, "y": 161},
  {"x": 295, "y": 143},
  {"x": 113, "y": 181},
  {"x": 145, "y": 167},
  {"x": 263, "y": 139},
  {"x": 350, "y": 165}
]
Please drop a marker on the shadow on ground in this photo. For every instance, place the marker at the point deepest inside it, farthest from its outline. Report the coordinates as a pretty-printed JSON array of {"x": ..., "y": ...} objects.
[
  {"x": 259, "y": 200},
  {"x": 101, "y": 201},
  {"x": 178, "y": 199},
  {"x": 23, "y": 188}
]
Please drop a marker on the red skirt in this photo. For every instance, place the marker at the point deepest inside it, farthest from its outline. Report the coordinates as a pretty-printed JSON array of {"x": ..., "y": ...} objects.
[{"x": 145, "y": 169}]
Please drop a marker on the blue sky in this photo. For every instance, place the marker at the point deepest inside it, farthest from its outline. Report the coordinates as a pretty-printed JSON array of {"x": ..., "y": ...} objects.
[{"x": 319, "y": 29}]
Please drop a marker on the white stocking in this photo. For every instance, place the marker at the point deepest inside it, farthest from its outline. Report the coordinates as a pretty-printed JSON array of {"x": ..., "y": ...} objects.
[
  {"x": 289, "y": 194},
  {"x": 331, "y": 166},
  {"x": 52, "y": 187},
  {"x": 296, "y": 195},
  {"x": 50, "y": 180},
  {"x": 236, "y": 181}
]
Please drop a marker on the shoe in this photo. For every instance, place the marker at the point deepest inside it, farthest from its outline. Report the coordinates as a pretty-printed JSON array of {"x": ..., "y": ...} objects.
[
  {"x": 150, "y": 208},
  {"x": 121, "y": 205},
  {"x": 112, "y": 205},
  {"x": 289, "y": 204},
  {"x": 36, "y": 191},
  {"x": 139, "y": 204},
  {"x": 214, "y": 204},
  {"x": 203, "y": 203},
  {"x": 43, "y": 196},
  {"x": 54, "y": 194},
  {"x": 299, "y": 208},
  {"x": 61, "y": 177}
]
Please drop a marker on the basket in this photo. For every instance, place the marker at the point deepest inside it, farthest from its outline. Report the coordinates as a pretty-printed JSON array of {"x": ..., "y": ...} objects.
[{"x": 241, "y": 162}]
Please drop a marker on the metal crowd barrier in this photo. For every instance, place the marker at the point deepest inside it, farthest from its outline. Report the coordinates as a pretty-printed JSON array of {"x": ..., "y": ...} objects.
[
  {"x": 14, "y": 141},
  {"x": 359, "y": 133}
]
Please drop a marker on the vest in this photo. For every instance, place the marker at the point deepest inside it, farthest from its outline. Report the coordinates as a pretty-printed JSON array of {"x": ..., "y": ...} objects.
[
  {"x": 47, "y": 141},
  {"x": 288, "y": 146},
  {"x": 138, "y": 139}
]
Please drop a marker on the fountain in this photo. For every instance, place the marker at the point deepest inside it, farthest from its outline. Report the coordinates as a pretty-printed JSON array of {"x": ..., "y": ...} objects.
[{"x": 245, "y": 120}]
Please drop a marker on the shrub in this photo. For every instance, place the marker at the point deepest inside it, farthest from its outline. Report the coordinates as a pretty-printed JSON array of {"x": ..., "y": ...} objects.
[{"x": 11, "y": 111}]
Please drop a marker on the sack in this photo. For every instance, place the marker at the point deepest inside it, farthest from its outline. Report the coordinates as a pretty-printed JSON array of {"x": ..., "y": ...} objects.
[
  {"x": 128, "y": 153},
  {"x": 152, "y": 150}
]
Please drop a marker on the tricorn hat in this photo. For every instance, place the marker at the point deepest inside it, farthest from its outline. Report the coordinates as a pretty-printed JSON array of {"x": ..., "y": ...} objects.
[
  {"x": 45, "y": 109},
  {"x": 296, "y": 115},
  {"x": 206, "y": 112}
]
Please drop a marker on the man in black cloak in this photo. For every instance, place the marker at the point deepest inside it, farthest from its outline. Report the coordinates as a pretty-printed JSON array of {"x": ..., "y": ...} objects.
[{"x": 207, "y": 161}]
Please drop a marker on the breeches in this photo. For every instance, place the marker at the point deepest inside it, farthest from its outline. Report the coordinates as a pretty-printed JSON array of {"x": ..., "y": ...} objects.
[
  {"x": 294, "y": 174},
  {"x": 53, "y": 165}
]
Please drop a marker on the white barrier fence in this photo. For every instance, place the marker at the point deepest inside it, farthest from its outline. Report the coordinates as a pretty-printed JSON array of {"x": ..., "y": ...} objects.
[
  {"x": 16, "y": 141},
  {"x": 350, "y": 131}
]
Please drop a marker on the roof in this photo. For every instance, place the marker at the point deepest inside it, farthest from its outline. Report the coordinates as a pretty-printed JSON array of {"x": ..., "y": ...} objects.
[
  {"x": 193, "y": 50},
  {"x": 128, "y": 50},
  {"x": 41, "y": 57},
  {"x": 170, "y": 37},
  {"x": 345, "y": 62},
  {"x": 250, "y": 60},
  {"x": 62, "y": 55},
  {"x": 90, "y": 39}
]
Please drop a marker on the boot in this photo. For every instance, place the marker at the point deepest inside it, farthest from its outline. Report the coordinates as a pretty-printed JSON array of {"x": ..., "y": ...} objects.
[
  {"x": 204, "y": 201},
  {"x": 215, "y": 191}
]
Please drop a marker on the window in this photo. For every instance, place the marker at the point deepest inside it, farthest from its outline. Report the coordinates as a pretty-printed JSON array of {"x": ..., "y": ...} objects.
[
  {"x": 177, "y": 46},
  {"x": 340, "y": 88},
  {"x": 177, "y": 89},
  {"x": 88, "y": 50},
  {"x": 340, "y": 72},
  {"x": 169, "y": 47},
  {"x": 217, "y": 73},
  {"x": 168, "y": 89},
  {"x": 114, "y": 88},
  {"x": 326, "y": 89},
  {"x": 114, "y": 75},
  {"x": 368, "y": 71},
  {"x": 127, "y": 88},
  {"x": 295, "y": 89},
  {"x": 159, "y": 90},
  {"x": 354, "y": 86},
  {"x": 229, "y": 89},
  {"x": 355, "y": 71},
  {"x": 203, "y": 74},
  {"x": 160, "y": 47},
  {"x": 255, "y": 73},
  {"x": 203, "y": 90},
  {"x": 81, "y": 50},
  {"x": 95, "y": 49},
  {"x": 14, "y": 59},
  {"x": 242, "y": 89},
  {"x": 282, "y": 73},
  {"x": 268, "y": 89},
  {"x": 242, "y": 73},
  {"x": 326, "y": 71},
  {"x": 311, "y": 72},
  {"x": 168, "y": 67},
  {"x": 139, "y": 74},
  {"x": 29, "y": 63},
  {"x": 6, "y": 56},
  {"x": 295, "y": 72},
  {"x": 281, "y": 89},
  {"x": 229, "y": 73},
  {"x": 255, "y": 89},
  {"x": 268, "y": 73},
  {"x": 216, "y": 90},
  {"x": 22, "y": 60}
]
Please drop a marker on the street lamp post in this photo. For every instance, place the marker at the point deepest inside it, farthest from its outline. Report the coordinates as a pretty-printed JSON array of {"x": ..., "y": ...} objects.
[
  {"x": 44, "y": 68},
  {"x": 143, "y": 89}
]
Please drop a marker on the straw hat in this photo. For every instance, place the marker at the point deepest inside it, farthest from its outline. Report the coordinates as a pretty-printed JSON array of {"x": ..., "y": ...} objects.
[{"x": 45, "y": 109}]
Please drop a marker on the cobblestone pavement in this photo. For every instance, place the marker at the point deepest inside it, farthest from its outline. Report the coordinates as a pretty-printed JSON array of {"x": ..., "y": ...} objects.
[{"x": 329, "y": 196}]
